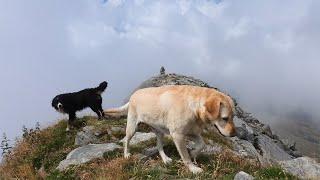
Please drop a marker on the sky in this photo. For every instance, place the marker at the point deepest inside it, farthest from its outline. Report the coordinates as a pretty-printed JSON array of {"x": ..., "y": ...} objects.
[{"x": 264, "y": 53}]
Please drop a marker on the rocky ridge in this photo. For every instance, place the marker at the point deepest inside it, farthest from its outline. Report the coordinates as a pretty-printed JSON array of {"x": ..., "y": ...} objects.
[{"x": 254, "y": 140}]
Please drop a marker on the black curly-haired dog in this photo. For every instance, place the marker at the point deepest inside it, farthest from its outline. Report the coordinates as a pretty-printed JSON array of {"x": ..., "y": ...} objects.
[{"x": 70, "y": 103}]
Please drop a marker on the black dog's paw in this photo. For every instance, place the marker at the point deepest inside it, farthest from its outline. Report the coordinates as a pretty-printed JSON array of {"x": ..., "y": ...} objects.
[{"x": 102, "y": 118}]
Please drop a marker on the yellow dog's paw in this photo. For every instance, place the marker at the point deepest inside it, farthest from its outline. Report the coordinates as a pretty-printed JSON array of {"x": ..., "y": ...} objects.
[
  {"x": 195, "y": 169},
  {"x": 167, "y": 160},
  {"x": 127, "y": 155}
]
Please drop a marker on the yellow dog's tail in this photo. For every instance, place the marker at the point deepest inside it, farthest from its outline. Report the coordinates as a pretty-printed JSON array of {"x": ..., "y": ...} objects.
[{"x": 120, "y": 111}]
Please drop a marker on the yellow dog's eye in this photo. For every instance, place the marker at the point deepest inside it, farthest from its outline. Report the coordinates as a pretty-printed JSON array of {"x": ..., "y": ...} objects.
[{"x": 225, "y": 118}]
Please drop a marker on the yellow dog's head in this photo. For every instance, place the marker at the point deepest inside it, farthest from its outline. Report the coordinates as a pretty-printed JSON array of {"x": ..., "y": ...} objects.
[{"x": 219, "y": 111}]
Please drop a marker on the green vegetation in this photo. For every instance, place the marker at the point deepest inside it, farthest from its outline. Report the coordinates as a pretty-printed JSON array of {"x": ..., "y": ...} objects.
[
  {"x": 39, "y": 152},
  {"x": 273, "y": 173}
]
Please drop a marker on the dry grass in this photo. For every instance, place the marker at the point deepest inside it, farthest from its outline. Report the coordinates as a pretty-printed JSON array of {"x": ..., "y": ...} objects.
[
  {"x": 40, "y": 149},
  {"x": 17, "y": 165}
]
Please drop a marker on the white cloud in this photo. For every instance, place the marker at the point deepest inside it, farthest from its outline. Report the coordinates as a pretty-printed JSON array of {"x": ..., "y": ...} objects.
[
  {"x": 282, "y": 42},
  {"x": 139, "y": 2},
  {"x": 116, "y": 3},
  {"x": 231, "y": 68},
  {"x": 85, "y": 37},
  {"x": 239, "y": 29},
  {"x": 184, "y": 6},
  {"x": 211, "y": 9},
  {"x": 251, "y": 48}
]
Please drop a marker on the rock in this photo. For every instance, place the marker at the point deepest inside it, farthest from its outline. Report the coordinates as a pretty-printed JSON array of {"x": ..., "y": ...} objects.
[
  {"x": 150, "y": 151},
  {"x": 267, "y": 130},
  {"x": 240, "y": 123},
  {"x": 276, "y": 137},
  {"x": 243, "y": 176},
  {"x": 242, "y": 133},
  {"x": 168, "y": 79},
  {"x": 162, "y": 71},
  {"x": 86, "y": 136},
  {"x": 142, "y": 158},
  {"x": 208, "y": 149},
  {"x": 303, "y": 167},
  {"x": 296, "y": 154},
  {"x": 117, "y": 129},
  {"x": 245, "y": 148},
  {"x": 211, "y": 149},
  {"x": 140, "y": 137},
  {"x": 289, "y": 144},
  {"x": 271, "y": 152},
  {"x": 86, "y": 153},
  {"x": 254, "y": 151},
  {"x": 147, "y": 153}
]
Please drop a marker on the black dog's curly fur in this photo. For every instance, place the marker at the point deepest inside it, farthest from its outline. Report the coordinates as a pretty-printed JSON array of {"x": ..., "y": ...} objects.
[{"x": 70, "y": 103}]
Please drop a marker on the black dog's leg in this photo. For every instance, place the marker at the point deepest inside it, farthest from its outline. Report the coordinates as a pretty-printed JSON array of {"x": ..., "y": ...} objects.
[
  {"x": 101, "y": 111},
  {"x": 72, "y": 118},
  {"x": 98, "y": 110}
]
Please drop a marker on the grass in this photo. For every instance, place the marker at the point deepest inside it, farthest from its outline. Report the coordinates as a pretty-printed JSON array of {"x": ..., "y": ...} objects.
[
  {"x": 40, "y": 149},
  {"x": 273, "y": 173},
  {"x": 37, "y": 155}
]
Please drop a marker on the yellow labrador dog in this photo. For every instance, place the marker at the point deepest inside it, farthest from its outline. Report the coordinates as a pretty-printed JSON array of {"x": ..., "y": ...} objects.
[{"x": 182, "y": 112}]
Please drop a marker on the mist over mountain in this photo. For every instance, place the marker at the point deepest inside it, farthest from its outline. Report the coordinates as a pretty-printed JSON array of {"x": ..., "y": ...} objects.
[{"x": 300, "y": 127}]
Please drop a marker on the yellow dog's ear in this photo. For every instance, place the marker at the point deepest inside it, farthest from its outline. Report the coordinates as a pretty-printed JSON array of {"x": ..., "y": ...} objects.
[
  {"x": 212, "y": 107},
  {"x": 216, "y": 108}
]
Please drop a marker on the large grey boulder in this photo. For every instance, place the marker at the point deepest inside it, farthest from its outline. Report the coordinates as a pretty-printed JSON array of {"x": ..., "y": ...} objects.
[
  {"x": 140, "y": 137},
  {"x": 303, "y": 167},
  {"x": 243, "y": 176},
  {"x": 86, "y": 153},
  {"x": 262, "y": 149},
  {"x": 270, "y": 151}
]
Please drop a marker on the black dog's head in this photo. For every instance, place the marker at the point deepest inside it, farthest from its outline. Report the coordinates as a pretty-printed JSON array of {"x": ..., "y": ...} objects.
[{"x": 57, "y": 105}]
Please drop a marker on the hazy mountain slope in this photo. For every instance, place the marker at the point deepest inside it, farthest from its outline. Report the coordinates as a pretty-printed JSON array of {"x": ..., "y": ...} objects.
[{"x": 303, "y": 131}]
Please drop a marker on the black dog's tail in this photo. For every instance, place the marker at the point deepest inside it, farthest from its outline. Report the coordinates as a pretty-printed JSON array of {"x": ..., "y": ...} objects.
[{"x": 102, "y": 86}]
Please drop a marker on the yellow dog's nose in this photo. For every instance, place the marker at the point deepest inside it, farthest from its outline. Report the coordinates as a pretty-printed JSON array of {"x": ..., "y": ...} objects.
[{"x": 233, "y": 132}]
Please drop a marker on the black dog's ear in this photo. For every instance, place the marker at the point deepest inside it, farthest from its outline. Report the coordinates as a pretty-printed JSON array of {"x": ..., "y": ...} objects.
[{"x": 59, "y": 105}]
